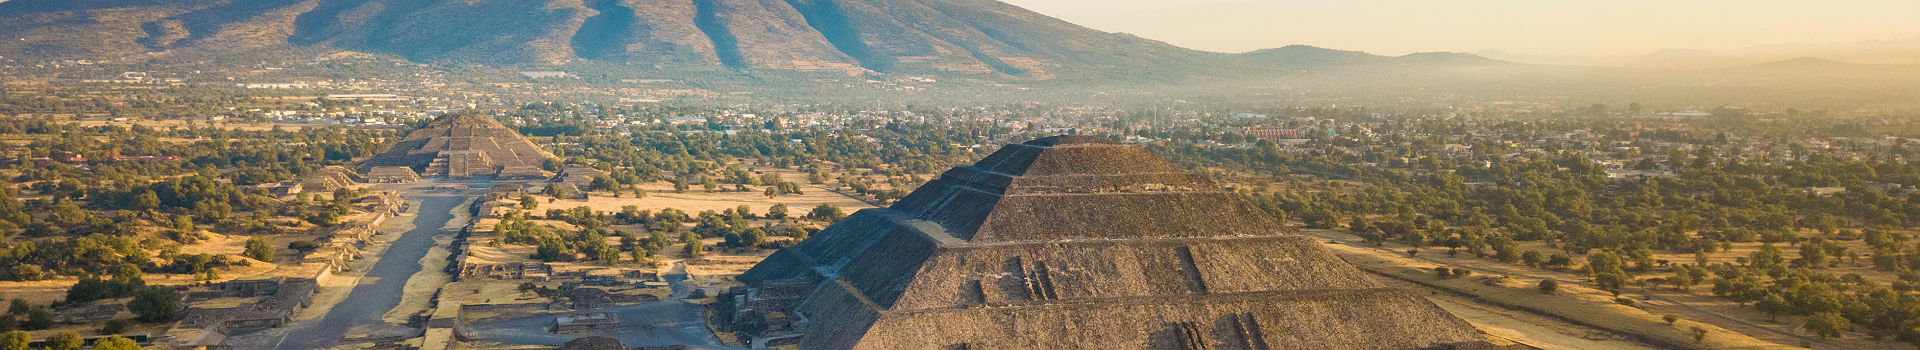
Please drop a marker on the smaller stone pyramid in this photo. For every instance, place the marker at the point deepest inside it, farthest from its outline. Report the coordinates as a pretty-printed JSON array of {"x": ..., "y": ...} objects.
[
  {"x": 460, "y": 145},
  {"x": 1076, "y": 242}
]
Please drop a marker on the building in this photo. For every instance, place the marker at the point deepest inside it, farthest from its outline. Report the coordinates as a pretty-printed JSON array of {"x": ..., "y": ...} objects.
[
  {"x": 521, "y": 172},
  {"x": 1077, "y": 242},
  {"x": 392, "y": 174},
  {"x": 1276, "y": 135},
  {"x": 460, "y": 145}
]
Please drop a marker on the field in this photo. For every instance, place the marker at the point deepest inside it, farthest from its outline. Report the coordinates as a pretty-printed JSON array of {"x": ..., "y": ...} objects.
[
  {"x": 1729, "y": 325},
  {"x": 660, "y": 195}
]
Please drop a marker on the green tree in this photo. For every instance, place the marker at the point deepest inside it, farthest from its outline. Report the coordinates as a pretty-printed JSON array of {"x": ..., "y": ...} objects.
[
  {"x": 155, "y": 304},
  {"x": 527, "y": 202},
  {"x": 753, "y": 238},
  {"x": 1606, "y": 270},
  {"x": 1548, "y": 286},
  {"x": 1827, "y": 324},
  {"x": 258, "y": 249},
  {"x": 66, "y": 340},
  {"x": 38, "y": 319},
  {"x": 1773, "y": 305},
  {"x": 777, "y": 211},
  {"x": 695, "y": 249},
  {"x": 826, "y": 212},
  {"x": 115, "y": 343},
  {"x": 16, "y": 340},
  {"x": 1813, "y": 254}
]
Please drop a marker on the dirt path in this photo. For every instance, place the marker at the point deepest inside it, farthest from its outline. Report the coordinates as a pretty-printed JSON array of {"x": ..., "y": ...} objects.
[
  {"x": 1532, "y": 330},
  {"x": 1575, "y": 303}
]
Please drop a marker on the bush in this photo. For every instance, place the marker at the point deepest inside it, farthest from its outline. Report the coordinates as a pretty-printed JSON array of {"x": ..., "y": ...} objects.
[
  {"x": 15, "y": 340},
  {"x": 67, "y": 340},
  {"x": 1548, "y": 286},
  {"x": 116, "y": 326},
  {"x": 1443, "y": 272},
  {"x": 258, "y": 249},
  {"x": 116, "y": 343},
  {"x": 1625, "y": 301},
  {"x": 1670, "y": 319},
  {"x": 155, "y": 304},
  {"x": 303, "y": 246},
  {"x": 38, "y": 319}
]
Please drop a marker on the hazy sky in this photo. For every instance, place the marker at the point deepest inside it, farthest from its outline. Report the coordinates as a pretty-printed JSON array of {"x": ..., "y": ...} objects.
[{"x": 1573, "y": 27}]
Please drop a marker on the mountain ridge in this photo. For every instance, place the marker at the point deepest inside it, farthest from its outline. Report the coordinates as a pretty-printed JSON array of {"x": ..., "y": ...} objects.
[{"x": 984, "y": 38}]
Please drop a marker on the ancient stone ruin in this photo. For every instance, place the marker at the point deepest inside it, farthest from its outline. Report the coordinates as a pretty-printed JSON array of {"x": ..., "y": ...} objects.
[
  {"x": 1076, "y": 242},
  {"x": 462, "y": 145}
]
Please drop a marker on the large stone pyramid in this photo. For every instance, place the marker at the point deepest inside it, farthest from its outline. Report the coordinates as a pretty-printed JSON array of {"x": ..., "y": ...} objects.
[
  {"x": 1076, "y": 242},
  {"x": 460, "y": 145}
]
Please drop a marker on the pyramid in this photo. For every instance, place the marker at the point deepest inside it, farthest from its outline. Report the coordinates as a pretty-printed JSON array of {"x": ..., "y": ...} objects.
[
  {"x": 1077, "y": 242},
  {"x": 460, "y": 145}
]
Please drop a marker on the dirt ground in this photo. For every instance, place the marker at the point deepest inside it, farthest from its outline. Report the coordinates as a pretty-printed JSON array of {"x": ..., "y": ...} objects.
[
  {"x": 660, "y": 195},
  {"x": 1525, "y": 328},
  {"x": 1573, "y": 301},
  {"x": 178, "y": 123}
]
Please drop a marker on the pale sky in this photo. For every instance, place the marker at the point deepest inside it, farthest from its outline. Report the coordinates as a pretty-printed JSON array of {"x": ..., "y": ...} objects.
[{"x": 1555, "y": 27}]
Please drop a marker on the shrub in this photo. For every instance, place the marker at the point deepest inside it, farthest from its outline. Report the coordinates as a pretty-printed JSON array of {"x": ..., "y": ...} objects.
[{"x": 1548, "y": 286}]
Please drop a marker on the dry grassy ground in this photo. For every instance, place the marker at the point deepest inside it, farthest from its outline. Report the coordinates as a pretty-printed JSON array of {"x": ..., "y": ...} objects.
[
  {"x": 1749, "y": 327},
  {"x": 660, "y": 195}
]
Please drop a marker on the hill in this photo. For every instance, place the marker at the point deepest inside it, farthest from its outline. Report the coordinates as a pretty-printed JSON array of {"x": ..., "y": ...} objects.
[{"x": 982, "y": 37}]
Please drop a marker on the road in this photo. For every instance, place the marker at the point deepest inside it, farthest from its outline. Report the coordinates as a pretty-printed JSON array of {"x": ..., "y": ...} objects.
[
  {"x": 381, "y": 288},
  {"x": 673, "y": 321}
]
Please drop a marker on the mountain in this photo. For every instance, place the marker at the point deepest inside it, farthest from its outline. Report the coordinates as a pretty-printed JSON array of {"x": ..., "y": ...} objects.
[
  {"x": 1310, "y": 56},
  {"x": 983, "y": 37}
]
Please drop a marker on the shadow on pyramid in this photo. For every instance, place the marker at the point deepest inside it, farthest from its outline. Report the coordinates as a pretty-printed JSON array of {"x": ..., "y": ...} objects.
[{"x": 1077, "y": 242}]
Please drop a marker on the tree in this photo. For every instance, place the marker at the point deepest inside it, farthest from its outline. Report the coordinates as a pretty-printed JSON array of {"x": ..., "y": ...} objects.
[
  {"x": 1826, "y": 324},
  {"x": 1767, "y": 257},
  {"x": 826, "y": 212},
  {"x": 695, "y": 249},
  {"x": 777, "y": 211},
  {"x": 771, "y": 192},
  {"x": 15, "y": 340},
  {"x": 67, "y": 340},
  {"x": 1548, "y": 286},
  {"x": 753, "y": 238},
  {"x": 1532, "y": 258},
  {"x": 259, "y": 249},
  {"x": 1773, "y": 305},
  {"x": 155, "y": 304},
  {"x": 1606, "y": 270},
  {"x": 527, "y": 202},
  {"x": 1813, "y": 254},
  {"x": 38, "y": 319},
  {"x": 115, "y": 343}
]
